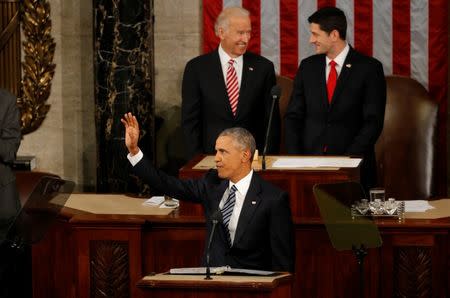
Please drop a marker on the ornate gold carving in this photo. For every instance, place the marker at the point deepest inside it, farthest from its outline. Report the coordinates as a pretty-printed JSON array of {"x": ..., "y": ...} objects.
[{"x": 38, "y": 66}]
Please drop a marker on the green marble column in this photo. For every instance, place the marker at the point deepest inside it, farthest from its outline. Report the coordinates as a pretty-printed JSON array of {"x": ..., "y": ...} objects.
[{"x": 124, "y": 81}]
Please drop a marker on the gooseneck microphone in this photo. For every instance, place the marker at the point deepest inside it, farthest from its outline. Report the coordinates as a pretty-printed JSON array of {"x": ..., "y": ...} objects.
[
  {"x": 275, "y": 92},
  {"x": 216, "y": 217}
]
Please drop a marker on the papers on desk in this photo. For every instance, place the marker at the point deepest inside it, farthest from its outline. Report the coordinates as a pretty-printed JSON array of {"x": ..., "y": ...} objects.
[
  {"x": 316, "y": 162},
  {"x": 220, "y": 270},
  {"x": 154, "y": 201},
  {"x": 160, "y": 201},
  {"x": 417, "y": 206}
]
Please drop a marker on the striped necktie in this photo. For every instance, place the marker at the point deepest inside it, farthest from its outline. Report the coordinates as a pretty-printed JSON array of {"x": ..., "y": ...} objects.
[
  {"x": 232, "y": 86},
  {"x": 227, "y": 209}
]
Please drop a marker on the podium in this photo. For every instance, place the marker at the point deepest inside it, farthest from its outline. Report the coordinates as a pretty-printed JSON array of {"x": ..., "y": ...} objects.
[{"x": 229, "y": 286}]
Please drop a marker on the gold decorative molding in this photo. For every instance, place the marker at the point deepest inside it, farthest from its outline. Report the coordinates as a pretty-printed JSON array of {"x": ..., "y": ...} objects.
[{"x": 38, "y": 67}]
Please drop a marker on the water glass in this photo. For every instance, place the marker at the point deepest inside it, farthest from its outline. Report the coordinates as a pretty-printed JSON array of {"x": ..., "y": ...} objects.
[
  {"x": 376, "y": 207},
  {"x": 377, "y": 193},
  {"x": 390, "y": 206},
  {"x": 362, "y": 206}
]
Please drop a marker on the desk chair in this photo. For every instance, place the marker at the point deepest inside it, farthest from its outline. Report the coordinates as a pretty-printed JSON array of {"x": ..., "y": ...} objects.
[{"x": 405, "y": 149}]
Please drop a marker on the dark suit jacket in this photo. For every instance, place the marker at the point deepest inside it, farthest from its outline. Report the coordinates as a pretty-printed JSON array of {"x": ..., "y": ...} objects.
[
  {"x": 351, "y": 124},
  {"x": 9, "y": 135},
  {"x": 206, "y": 110},
  {"x": 264, "y": 236},
  {"x": 9, "y": 144}
]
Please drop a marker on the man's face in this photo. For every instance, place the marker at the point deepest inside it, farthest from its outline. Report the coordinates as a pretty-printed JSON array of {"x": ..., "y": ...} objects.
[
  {"x": 230, "y": 158},
  {"x": 234, "y": 39},
  {"x": 321, "y": 39}
]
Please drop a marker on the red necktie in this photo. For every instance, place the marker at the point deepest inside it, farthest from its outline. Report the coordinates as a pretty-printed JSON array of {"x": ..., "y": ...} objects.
[
  {"x": 232, "y": 86},
  {"x": 331, "y": 82}
]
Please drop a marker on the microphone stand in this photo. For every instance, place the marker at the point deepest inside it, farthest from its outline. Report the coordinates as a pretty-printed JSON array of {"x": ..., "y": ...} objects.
[
  {"x": 274, "y": 99},
  {"x": 208, "y": 269}
]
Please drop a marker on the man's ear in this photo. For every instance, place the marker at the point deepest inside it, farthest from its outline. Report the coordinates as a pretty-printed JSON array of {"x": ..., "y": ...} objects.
[
  {"x": 335, "y": 35},
  {"x": 220, "y": 32},
  {"x": 246, "y": 155}
]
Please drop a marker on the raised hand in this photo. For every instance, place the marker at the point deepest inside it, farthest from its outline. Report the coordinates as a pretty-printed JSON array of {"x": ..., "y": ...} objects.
[{"x": 131, "y": 132}]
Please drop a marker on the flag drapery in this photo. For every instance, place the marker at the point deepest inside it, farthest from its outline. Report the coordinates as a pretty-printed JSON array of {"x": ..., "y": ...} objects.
[{"x": 410, "y": 38}]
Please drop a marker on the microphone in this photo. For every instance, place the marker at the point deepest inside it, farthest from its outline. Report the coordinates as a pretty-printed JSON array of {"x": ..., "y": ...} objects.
[
  {"x": 275, "y": 92},
  {"x": 216, "y": 217}
]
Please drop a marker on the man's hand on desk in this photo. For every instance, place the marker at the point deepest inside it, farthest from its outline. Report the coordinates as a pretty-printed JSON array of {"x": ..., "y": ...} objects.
[{"x": 131, "y": 133}]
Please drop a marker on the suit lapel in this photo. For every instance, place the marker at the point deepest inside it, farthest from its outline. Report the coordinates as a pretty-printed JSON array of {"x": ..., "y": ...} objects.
[
  {"x": 251, "y": 203},
  {"x": 218, "y": 194},
  {"x": 247, "y": 69},
  {"x": 218, "y": 81},
  {"x": 323, "y": 82},
  {"x": 343, "y": 76}
]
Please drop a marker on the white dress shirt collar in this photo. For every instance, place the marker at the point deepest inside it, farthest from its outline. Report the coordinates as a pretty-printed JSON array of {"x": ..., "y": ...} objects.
[
  {"x": 238, "y": 64},
  {"x": 243, "y": 185},
  {"x": 224, "y": 57},
  {"x": 340, "y": 59}
]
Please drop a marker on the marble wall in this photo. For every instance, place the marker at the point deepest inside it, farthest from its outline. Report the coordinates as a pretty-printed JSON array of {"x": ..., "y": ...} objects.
[
  {"x": 65, "y": 143},
  {"x": 123, "y": 60},
  {"x": 177, "y": 40}
]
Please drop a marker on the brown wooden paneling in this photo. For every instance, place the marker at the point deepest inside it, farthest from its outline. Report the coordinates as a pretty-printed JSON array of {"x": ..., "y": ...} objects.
[
  {"x": 54, "y": 263},
  {"x": 165, "y": 243},
  {"x": 10, "y": 47},
  {"x": 226, "y": 287},
  {"x": 110, "y": 275},
  {"x": 413, "y": 250}
]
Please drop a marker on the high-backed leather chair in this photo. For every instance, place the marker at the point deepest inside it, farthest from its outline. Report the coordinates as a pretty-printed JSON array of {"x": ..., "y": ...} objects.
[
  {"x": 405, "y": 148},
  {"x": 286, "y": 85}
]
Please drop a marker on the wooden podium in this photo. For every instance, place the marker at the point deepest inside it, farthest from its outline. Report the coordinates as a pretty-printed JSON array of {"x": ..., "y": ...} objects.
[
  {"x": 187, "y": 286},
  {"x": 103, "y": 245}
]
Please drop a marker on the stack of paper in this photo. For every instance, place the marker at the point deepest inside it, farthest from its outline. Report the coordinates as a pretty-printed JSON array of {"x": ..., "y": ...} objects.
[
  {"x": 316, "y": 162},
  {"x": 154, "y": 201},
  {"x": 220, "y": 270},
  {"x": 417, "y": 206}
]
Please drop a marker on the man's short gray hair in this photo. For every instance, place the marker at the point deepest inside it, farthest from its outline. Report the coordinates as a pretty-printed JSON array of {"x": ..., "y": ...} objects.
[
  {"x": 242, "y": 138},
  {"x": 224, "y": 17}
]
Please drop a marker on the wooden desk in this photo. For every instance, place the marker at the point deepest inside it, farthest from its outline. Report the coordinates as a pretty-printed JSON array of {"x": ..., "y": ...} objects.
[
  {"x": 195, "y": 286},
  {"x": 298, "y": 183},
  {"x": 86, "y": 254}
]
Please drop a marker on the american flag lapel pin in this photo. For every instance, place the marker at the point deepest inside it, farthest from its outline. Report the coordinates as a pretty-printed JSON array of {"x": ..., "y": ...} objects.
[
  {"x": 250, "y": 68},
  {"x": 348, "y": 65}
]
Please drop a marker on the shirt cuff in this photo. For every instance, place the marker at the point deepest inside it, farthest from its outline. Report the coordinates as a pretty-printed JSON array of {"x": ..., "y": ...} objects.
[{"x": 135, "y": 158}]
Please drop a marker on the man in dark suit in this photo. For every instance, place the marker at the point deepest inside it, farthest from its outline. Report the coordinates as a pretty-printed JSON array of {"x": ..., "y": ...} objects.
[
  {"x": 9, "y": 144},
  {"x": 219, "y": 94},
  {"x": 14, "y": 280},
  {"x": 339, "y": 97},
  {"x": 257, "y": 230}
]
